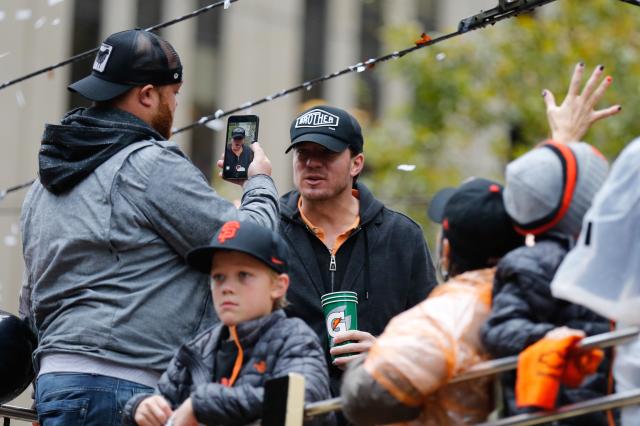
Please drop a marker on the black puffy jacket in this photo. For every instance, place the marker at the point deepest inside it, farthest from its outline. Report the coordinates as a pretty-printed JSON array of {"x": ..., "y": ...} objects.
[
  {"x": 273, "y": 346},
  {"x": 524, "y": 311}
]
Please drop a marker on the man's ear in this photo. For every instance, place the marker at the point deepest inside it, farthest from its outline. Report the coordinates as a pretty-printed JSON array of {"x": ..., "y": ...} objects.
[
  {"x": 148, "y": 96},
  {"x": 357, "y": 164},
  {"x": 445, "y": 255},
  {"x": 279, "y": 286}
]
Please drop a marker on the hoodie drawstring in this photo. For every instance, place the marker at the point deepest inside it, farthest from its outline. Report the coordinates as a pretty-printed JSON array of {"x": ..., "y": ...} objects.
[{"x": 367, "y": 271}]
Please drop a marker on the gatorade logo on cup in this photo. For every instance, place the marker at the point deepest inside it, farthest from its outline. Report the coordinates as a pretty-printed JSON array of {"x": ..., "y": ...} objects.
[{"x": 337, "y": 321}]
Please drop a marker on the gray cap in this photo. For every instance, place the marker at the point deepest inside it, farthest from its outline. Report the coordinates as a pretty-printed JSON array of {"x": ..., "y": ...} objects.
[{"x": 536, "y": 185}]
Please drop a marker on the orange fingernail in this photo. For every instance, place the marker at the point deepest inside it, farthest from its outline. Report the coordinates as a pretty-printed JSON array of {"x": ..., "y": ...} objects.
[{"x": 609, "y": 79}]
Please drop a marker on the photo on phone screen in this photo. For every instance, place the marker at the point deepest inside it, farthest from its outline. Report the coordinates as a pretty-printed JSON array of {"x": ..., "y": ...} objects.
[{"x": 242, "y": 131}]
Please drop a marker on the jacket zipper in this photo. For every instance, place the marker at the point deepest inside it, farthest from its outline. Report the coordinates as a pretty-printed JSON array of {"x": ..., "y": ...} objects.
[{"x": 333, "y": 266}]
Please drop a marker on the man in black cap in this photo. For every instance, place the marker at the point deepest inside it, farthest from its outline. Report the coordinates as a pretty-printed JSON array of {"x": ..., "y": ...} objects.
[
  {"x": 105, "y": 230},
  {"x": 343, "y": 239},
  {"x": 237, "y": 157}
]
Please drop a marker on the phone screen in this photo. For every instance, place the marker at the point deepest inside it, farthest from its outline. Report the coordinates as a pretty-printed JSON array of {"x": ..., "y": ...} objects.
[{"x": 242, "y": 131}]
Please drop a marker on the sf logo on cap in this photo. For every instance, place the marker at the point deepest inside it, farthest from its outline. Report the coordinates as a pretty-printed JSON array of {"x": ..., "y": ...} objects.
[
  {"x": 317, "y": 118},
  {"x": 228, "y": 231},
  {"x": 337, "y": 321}
]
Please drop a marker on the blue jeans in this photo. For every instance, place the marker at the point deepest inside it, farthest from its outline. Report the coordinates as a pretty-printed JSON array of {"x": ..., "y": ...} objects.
[{"x": 76, "y": 399}]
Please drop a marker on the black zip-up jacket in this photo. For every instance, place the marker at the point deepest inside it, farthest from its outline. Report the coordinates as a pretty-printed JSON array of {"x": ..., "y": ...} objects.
[
  {"x": 524, "y": 310},
  {"x": 385, "y": 260},
  {"x": 273, "y": 346}
]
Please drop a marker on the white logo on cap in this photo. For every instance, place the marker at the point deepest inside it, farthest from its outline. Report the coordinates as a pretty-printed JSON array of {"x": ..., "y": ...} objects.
[
  {"x": 175, "y": 76},
  {"x": 317, "y": 118},
  {"x": 102, "y": 57}
]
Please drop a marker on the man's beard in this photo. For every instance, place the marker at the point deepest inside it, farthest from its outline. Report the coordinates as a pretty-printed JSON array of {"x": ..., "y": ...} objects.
[{"x": 162, "y": 122}]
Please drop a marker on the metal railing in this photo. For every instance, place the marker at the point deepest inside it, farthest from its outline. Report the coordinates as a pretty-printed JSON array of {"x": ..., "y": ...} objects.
[
  {"x": 18, "y": 413},
  {"x": 617, "y": 400},
  {"x": 482, "y": 369},
  {"x": 494, "y": 366}
]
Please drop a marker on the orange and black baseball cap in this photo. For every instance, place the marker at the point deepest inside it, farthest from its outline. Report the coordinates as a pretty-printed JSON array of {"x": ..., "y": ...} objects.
[{"x": 245, "y": 237}]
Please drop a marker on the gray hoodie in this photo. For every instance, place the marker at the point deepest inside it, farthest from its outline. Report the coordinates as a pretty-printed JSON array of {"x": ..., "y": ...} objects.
[{"x": 104, "y": 245}]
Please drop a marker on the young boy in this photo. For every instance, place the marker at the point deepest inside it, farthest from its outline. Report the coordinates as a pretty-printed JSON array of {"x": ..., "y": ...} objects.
[
  {"x": 548, "y": 191},
  {"x": 219, "y": 377}
]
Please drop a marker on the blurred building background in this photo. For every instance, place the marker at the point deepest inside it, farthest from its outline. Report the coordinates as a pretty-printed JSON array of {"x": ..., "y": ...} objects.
[{"x": 253, "y": 49}]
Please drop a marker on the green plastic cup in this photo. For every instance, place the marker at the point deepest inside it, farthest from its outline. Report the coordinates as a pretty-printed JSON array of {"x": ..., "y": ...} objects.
[
  {"x": 339, "y": 299},
  {"x": 340, "y": 314},
  {"x": 348, "y": 294}
]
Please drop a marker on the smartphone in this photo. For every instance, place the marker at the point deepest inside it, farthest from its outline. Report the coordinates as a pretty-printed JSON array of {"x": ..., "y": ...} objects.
[{"x": 242, "y": 131}]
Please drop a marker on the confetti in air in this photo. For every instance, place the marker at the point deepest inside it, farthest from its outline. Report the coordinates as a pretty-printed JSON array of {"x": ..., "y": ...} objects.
[
  {"x": 10, "y": 241},
  {"x": 20, "y": 99},
  {"x": 216, "y": 125},
  {"x": 23, "y": 14},
  {"x": 40, "y": 23}
]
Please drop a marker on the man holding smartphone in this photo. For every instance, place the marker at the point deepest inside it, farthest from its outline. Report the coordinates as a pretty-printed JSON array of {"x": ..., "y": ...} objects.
[
  {"x": 105, "y": 230},
  {"x": 343, "y": 239}
]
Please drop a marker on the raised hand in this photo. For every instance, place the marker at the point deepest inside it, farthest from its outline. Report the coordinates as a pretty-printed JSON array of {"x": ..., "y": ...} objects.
[{"x": 571, "y": 120}]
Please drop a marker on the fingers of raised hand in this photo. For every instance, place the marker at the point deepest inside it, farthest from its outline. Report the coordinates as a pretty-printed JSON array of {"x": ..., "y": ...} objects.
[
  {"x": 592, "y": 82},
  {"x": 576, "y": 80},
  {"x": 549, "y": 99},
  {"x": 599, "y": 92},
  {"x": 604, "y": 113}
]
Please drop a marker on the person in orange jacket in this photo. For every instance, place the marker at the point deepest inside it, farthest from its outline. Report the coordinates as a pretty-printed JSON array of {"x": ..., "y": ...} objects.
[{"x": 405, "y": 375}]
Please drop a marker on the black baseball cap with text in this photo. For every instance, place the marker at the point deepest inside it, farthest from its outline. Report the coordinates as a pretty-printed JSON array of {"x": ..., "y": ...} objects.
[
  {"x": 331, "y": 127},
  {"x": 245, "y": 237},
  {"x": 128, "y": 59},
  {"x": 474, "y": 219}
]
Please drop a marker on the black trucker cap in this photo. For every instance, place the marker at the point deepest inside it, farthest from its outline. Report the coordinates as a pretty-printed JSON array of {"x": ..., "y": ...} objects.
[
  {"x": 246, "y": 237},
  {"x": 128, "y": 59},
  {"x": 331, "y": 127},
  {"x": 474, "y": 219},
  {"x": 238, "y": 133}
]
